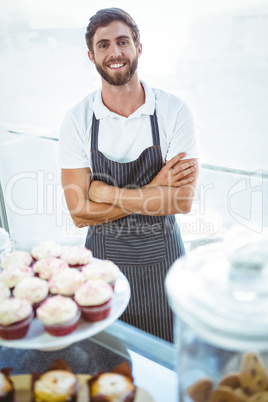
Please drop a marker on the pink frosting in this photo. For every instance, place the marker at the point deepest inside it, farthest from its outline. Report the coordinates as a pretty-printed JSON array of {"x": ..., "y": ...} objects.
[
  {"x": 13, "y": 310},
  {"x": 93, "y": 293},
  {"x": 49, "y": 266}
]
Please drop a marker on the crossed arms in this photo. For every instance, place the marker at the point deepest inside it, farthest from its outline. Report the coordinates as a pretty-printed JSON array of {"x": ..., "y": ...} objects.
[{"x": 95, "y": 202}]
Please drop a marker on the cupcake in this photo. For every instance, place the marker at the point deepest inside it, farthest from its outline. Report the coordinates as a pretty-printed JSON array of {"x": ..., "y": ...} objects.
[
  {"x": 47, "y": 267},
  {"x": 66, "y": 282},
  {"x": 6, "y": 386},
  {"x": 77, "y": 256},
  {"x": 45, "y": 250},
  {"x": 113, "y": 386},
  {"x": 102, "y": 269},
  {"x": 57, "y": 384},
  {"x": 35, "y": 290},
  {"x": 16, "y": 316},
  {"x": 94, "y": 299},
  {"x": 4, "y": 291},
  {"x": 16, "y": 258},
  {"x": 14, "y": 274},
  {"x": 59, "y": 315}
]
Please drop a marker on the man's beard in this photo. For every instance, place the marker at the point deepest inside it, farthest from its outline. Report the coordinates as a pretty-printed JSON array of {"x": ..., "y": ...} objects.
[{"x": 118, "y": 78}]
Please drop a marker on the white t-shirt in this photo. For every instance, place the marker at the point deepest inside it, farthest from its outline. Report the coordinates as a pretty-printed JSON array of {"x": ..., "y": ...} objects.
[{"x": 122, "y": 139}]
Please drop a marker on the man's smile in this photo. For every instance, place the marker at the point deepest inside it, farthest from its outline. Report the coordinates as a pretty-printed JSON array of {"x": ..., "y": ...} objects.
[{"x": 115, "y": 66}]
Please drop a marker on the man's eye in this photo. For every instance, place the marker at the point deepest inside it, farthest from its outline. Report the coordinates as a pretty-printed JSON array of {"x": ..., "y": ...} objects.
[
  {"x": 123, "y": 42},
  {"x": 102, "y": 46}
]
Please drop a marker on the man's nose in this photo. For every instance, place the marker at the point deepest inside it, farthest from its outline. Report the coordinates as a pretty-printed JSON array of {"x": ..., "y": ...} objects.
[{"x": 116, "y": 51}]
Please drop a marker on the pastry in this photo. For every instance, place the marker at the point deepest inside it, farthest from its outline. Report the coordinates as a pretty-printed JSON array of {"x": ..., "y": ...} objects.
[
  {"x": 16, "y": 316},
  {"x": 59, "y": 315},
  {"x": 94, "y": 297}
]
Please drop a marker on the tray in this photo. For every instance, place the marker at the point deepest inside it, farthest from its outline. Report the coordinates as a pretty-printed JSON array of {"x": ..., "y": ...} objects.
[
  {"x": 22, "y": 384},
  {"x": 37, "y": 338}
]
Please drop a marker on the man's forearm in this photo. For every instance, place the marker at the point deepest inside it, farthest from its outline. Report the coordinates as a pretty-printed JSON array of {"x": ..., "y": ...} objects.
[
  {"x": 152, "y": 200},
  {"x": 91, "y": 213}
]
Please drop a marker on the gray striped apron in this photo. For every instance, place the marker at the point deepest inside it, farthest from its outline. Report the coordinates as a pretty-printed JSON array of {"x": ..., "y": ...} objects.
[{"x": 144, "y": 247}]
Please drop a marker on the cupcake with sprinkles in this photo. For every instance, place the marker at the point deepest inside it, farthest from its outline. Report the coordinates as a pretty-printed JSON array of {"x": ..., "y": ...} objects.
[
  {"x": 77, "y": 256},
  {"x": 16, "y": 316},
  {"x": 14, "y": 274},
  {"x": 16, "y": 258},
  {"x": 48, "y": 267},
  {"x": 45, "y": 250},
  {"x": 59, "y": 315},
  {"x": 66, "y": 282},
  {"x": 105, "y": 270},
  {"x": 94, "y": 299},
  {"x": 35, "y": 290}
]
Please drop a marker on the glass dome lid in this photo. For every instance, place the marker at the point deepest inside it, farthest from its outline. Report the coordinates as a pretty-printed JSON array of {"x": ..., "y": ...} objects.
[{"x": 221, "y": 290}]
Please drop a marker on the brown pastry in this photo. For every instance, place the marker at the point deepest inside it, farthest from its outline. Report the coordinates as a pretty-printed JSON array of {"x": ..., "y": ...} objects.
[
  {"x": 57, "y": 384},
  {"x": 112, "y": 386},
  {"x": 6, "y": 386}
]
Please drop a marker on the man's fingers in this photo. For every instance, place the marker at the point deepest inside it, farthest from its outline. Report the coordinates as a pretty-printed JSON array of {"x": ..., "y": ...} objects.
[
  {"x": 175, "y": 160},
  {"x": 183, "y": 182}
]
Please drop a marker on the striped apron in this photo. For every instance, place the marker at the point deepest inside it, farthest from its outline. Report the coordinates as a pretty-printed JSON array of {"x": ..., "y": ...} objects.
[{"x": 144, "y": 247}]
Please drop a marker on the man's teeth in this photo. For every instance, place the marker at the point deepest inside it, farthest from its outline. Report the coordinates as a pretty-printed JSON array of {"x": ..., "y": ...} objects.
[{"x": 116, "y": 65}]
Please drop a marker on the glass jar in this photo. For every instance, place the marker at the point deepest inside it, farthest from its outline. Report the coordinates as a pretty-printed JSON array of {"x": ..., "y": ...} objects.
[{"x": 219, "y": 294}]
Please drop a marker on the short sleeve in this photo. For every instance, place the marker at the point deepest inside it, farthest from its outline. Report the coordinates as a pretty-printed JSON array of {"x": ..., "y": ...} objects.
[
  {"x": 184, "y": 137},
  {"x": 72, "y": 154}
]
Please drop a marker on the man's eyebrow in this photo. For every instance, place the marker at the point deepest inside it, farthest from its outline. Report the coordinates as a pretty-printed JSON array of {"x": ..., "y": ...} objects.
[{"x": 108, "y": 40}]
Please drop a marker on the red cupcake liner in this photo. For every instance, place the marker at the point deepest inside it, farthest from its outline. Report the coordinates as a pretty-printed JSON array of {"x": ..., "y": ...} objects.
[
  {"x": 96, "y": 313},
  {"x": 63, "y": 329},
  {"x": 17, "y": 330}
]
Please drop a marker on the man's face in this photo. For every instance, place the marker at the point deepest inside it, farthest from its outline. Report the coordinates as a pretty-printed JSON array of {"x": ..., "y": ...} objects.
[{"x": 114, "y": 53}]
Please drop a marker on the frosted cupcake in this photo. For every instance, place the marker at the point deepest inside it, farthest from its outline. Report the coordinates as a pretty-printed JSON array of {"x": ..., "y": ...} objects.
[
  {"x": 77, "y": 256},
  {"x": 4, "y": 291},
  {"x": 59, "y": 315},
  {"x": 47, "y": 267},
  {"x": 34, "y": 290},
  {"x": 45, "y": 250},
  {"x": 14, "y": 274},
  {"x": 16, "y": 316},
  {"x": 66, "y": 282},
  {"x": 94, "y": 298},
  {"x": 113, "y": 386},
  {"x": 102, "y": 269},
  {"x": 16, "y": 258},
  {"x": 57, "y": 384},
  {"x": 7, "y": 392}
]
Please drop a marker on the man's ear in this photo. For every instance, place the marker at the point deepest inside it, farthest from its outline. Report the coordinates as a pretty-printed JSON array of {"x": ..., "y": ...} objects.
[
  {"x": 91, "y": 56},
  {"x": 139, "y": 49}
]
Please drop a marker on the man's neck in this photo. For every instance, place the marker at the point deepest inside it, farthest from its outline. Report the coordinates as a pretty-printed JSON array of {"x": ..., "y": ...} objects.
[{"x": 123, "y": 100}]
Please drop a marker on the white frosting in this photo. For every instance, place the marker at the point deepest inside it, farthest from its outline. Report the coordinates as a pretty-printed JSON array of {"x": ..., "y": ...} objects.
[
  {"x": 103, "y": 269},
  {"x": 77, "y": 255},
  {"x": 32, "y": 289},
  {"x": 13, "y": 310},
  {"x": 57, "y": 310},
  {"x": 46, "y": 249},
  {"x": 14, "y": 274},
  {"x": 57, "y": 385},
  {"x": 49, "y": 266},
  {"x": 113, "y": 385},
  {"x": 66, "y": 282},
  {"x": 16, "y": 258},
  {"x": 4, "y": 291},
  {"x": 93, "y": 293}
]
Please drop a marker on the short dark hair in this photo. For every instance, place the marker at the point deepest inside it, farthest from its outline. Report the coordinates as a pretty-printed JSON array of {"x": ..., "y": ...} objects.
[{"x": 104, "y": 17}]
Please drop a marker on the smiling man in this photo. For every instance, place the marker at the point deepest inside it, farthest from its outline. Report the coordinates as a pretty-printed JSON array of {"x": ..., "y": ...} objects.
[{"x": 129, "y": 163}]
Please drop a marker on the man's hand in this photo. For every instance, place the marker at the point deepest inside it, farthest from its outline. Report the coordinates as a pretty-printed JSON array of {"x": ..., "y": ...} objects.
[{"x": 174, "y": 172}]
